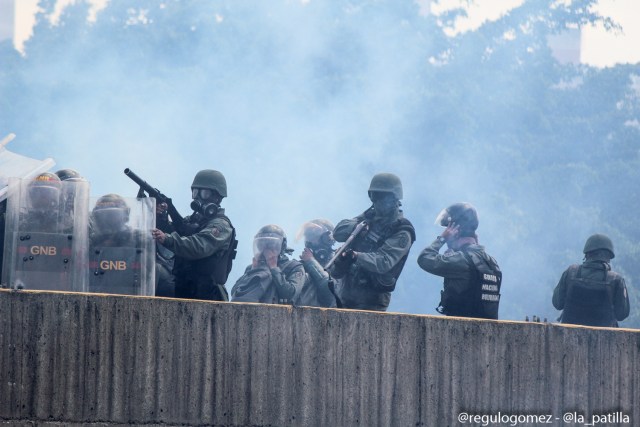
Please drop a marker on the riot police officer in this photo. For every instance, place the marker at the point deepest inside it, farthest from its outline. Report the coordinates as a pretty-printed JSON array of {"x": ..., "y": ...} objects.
[
  {"x": 318, "y": 250},
  {"x": 205, "y": 245},
  {"x": 48, "y": 243},
  {"x": 44, "y": 203},
  {"x": 272, "y": 278},
  {"x": 121, "y": 254},
  {"x": 472, "y": 278},
  {"x": 109, "y": 222},
  {"x": 592, "y": 294},
  {"x": 369, "y": 269}
]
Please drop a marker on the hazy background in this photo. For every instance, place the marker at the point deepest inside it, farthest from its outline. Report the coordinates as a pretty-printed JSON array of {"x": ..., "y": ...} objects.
[{"x": 300, "y": 103}]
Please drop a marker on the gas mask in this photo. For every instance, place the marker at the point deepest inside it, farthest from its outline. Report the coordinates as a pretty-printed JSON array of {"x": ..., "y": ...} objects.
[
  {"x": 202, "y": 204},
  {"x": 321, "y": 253},
  {"x": 385, "y": 204}
]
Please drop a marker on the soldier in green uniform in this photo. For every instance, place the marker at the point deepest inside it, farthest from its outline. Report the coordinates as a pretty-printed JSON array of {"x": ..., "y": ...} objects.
[
  {"x": 591, "y": 294},
  {"x": 205, "y": 246},
  {"x": 318, "y": 250},
  {"x": 369, "y": 269},
  {"x": 272, "y": 278},
  {"x": 472, "y": 278}
]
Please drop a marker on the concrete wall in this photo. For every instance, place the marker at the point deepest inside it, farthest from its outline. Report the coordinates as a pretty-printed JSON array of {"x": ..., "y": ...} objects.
[{"x": 69, "y": 359}]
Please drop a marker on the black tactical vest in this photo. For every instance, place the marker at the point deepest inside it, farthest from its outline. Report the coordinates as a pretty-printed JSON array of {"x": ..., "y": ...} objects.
[
  {"x": 215, "y": 267},
  {"x": 589, "y": 301},
  {"x": 372, "y": 239},
  {"x": 481, "y": 299}
]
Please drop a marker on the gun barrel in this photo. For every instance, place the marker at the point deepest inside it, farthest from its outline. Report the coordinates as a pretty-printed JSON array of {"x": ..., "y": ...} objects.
[
  {"x": 345, "y": 245},
  {"x": 156, "y": 194},
  {"x": 143, "y": 184}
]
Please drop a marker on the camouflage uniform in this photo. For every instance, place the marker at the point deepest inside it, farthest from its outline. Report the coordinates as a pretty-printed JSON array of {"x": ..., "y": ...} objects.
[
  {"x": 318, "y": 242},
  {"x": 315, "y": 292},
  {"x": 277, "y": 285},
  {"x": 370, "y": 268},
  {"x": 195, "y": 258},
  {"x": 382, "y": 251}
]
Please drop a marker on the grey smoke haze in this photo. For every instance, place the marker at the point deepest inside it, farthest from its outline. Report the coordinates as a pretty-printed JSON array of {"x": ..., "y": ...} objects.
[{"x": 298, "y": 104}]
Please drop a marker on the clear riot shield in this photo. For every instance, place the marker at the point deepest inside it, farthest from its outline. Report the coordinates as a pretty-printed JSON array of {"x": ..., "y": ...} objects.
[
  {"x": 46, "y": 235},
  {"x": 121, "y": 248},
  {"x": 18, "y": 166}
]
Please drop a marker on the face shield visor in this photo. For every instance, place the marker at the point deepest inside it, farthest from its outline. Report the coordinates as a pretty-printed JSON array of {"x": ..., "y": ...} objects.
[
  {"x": 443, "y": 218},
  {"x": 44, "y": 196},
  {"x": 110, "y": 219},
  {"x": 314, "y": 235},
  {"x": 267, "y": 244}
]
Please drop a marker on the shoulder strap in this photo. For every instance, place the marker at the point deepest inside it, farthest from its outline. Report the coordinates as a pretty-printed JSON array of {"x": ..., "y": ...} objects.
[{"x": 404, "y": 224}]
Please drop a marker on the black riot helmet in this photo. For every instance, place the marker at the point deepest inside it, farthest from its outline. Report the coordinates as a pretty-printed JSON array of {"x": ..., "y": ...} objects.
[
  {"x": 318, "y": 236},
  {"x": 599, "y": 242},
  {"x": 69, "y": 175},
  {"x": 270, "y": 237},
  {"x": 44, "y": 191},
  {"x": 463, "y": 214},
  {"x": 111, "y": 213},
  {"x": 317, "y": 232}
]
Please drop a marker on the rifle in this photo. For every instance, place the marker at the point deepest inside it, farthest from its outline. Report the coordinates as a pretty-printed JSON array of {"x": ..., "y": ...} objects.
[
  {"x": 346, "y": 244},
  {"x": 177, "y": 219}
]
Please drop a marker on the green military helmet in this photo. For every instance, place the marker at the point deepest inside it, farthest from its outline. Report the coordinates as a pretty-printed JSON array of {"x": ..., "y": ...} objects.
[
  {"x": 386, "y": 183},
  {"x": 599, "y": 241},
  {"x": 463, "y": 214},
  {"x": 211, "y": 179}
]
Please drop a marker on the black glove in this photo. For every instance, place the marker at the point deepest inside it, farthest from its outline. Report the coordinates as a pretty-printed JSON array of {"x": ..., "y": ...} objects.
[{"x": 345, "y": 260}]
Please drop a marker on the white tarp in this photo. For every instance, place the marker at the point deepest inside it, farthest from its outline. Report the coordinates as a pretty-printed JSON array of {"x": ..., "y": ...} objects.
[{"x": 18, "y": 166}]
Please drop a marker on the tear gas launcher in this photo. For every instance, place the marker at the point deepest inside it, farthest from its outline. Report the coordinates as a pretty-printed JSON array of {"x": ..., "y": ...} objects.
[
  {"x": 346, "y": 244},
  {"x": 177, "y": 219}
]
